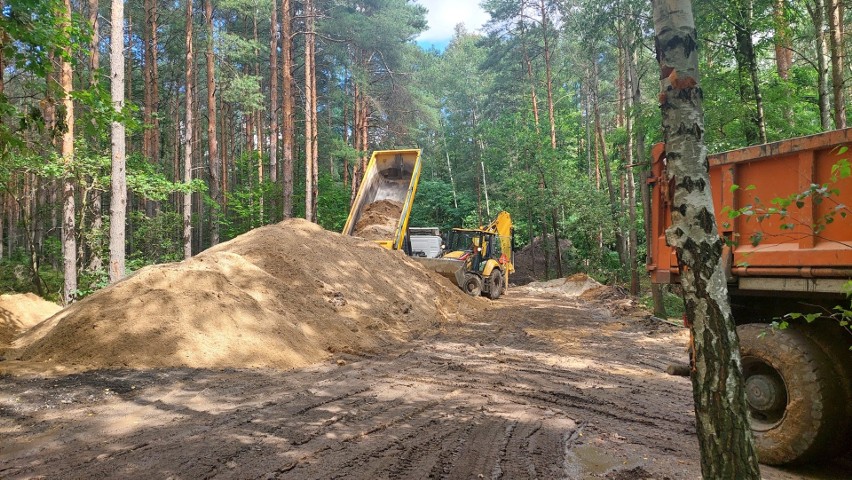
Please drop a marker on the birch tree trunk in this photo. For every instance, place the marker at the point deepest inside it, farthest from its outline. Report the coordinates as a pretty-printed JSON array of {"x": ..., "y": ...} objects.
[
  {"x": 187, "y": 138},
  {"x": 724, "y": 435},
  {"x": 215, "y": 162},
  {"x": 69, "y": 241},
  {"x": 118, "y": 198}
]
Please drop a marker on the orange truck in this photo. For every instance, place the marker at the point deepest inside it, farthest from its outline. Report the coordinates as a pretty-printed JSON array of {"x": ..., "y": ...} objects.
[{"x": 782, "y": 210}]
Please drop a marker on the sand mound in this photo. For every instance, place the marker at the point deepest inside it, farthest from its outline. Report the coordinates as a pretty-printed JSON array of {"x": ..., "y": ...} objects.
[
  {"x": 378, "y": 220},
  {"x": 574, "y": 286},
  {"x": 530, "y": 261},
  {"x": 19, "y": 312},
  {"x": 280, "y": 296}
]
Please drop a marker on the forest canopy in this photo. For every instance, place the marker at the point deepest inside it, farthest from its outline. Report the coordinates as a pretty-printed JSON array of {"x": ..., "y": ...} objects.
[{"x": 241, "y": 113}]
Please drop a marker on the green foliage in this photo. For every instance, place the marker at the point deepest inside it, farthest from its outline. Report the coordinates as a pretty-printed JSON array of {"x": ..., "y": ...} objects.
[
  {"x": 156, "y": 239},
  {"x": 16, "y": 277},
  {"x": 673, "y": 304},
  {"x": 434, "y": 207},
  {"x": 842, "y": 314},
  {"x": 332, "y": 203}
]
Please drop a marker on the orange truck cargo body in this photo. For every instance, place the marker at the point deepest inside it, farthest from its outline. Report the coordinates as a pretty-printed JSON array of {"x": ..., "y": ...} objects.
[{"x": 811, "y": 260}]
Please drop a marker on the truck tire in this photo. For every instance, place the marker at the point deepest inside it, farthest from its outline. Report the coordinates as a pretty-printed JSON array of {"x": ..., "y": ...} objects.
[
  {"x": 472, "y": 285},
  {"x": 793, "y": 397},
  {"x": 831, "y": 338},
  {"x": 495, "y": 287}
]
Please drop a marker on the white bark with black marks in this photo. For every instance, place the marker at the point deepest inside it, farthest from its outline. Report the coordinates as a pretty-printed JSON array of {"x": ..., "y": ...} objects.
[{"x": 727, "y": 446}]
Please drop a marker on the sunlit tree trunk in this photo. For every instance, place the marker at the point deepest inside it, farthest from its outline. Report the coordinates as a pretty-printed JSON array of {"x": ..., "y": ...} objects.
[
  {"x": 118, "y": 197},
  {"x": 817, "y": 12},
  {"x": 548, "y": 51},
  {"x": 310, "y": 112},
  {"x": 187, "y": 137},
  {"x": 214, "y": 158},
  {"x": 273, "y": 93},
  {"x": 722, "y": 421},
  {"x": 69, "y": 241},
  {"x": 631, "y": 89},
  {"x": 783, "y": 42},
  {"x": 287, "y": 105},
  {"x": 835, "y": 28}
]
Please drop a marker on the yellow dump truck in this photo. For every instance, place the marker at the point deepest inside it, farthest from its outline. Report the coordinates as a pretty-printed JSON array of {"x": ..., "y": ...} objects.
[
  {"x": 383, "y": 204},
  {"x": 478, "y": 260}
]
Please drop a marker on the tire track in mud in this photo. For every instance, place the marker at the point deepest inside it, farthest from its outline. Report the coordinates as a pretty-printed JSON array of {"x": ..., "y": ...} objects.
[{"x": 486, "y": 399}]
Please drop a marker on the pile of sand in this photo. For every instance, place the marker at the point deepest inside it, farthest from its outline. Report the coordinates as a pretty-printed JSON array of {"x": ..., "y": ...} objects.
[
  {"x": 530, "y": 261},
  {"x": 577, "y": 285},
  {"x": 19, "y": 312},
  {"x": 281, "y": 296},
  {"x": 378, "y": 220}
]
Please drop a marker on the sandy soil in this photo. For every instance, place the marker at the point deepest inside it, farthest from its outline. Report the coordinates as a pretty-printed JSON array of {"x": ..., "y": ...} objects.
[
  {"x": 378, "y": 220},
  {"x": 535, "y": 387},
  {"x": 282, "y": 296},
  {"x": 19, "y": 312}
]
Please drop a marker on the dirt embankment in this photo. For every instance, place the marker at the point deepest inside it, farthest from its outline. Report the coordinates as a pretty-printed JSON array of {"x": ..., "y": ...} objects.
[
  {"x": 19, "y": 312},
  {"x": 534, "y": 260},
  {"x": 281, "y": 296},
  {"x": 378, "y": 220}
]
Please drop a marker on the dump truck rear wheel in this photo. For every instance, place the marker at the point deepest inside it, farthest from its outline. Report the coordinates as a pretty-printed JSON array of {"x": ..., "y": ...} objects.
[
  {"x": 791, "y": 393},
  {"x": 472, "y": 285},
  {"x": 495, "y": 289},
  {"x": 832, "y": 340}
]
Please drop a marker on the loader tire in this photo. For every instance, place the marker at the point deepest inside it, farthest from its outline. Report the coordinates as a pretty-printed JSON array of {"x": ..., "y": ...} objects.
[
  {"x": 472, "y": 285},
  {"x": 793, "y": 398},
  {"x": 495, "y": 289}
]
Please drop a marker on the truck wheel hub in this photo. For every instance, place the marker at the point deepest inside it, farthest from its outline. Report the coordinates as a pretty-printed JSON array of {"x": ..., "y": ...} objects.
[{"x": 766, "y": 395}]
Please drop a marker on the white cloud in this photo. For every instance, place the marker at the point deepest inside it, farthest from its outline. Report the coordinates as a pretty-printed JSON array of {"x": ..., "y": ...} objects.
[{"x": 444, "y": 15}]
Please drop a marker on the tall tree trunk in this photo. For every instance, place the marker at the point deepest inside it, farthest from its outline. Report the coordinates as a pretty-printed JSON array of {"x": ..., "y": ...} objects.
[
  {"x": 214, "y": 159},
  {"x": 835, "y": 28},
  {"x": 273, "y": 94},
  {"x": 151, "y": 136},
  {"x": 287, "y": 104},
  {"x": 632, "y": 87},
  {"x": 69, "y": 241},
  {"x": 747, "y": 66},
  {"x": 187, "y": 138},
  {"x": 310, "y": 110},
  {"x": 481, "y": 146},
  {"x": 783, "y": 42},
  {"x": 314, "y": 114},
  {"x": 95, "y": 261},
  {"x": 530, "y": 76},
  {"x": 118, "y": 184},
  {"x": 613, "y": 201},
  {"x": 722, "y": 418},
  {"x": 817, "y": 12},
  {"x": 548, "y": 51}
]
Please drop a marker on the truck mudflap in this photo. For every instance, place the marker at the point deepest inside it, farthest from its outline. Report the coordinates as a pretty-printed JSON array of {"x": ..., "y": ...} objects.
[{"x": 450, "y": 268}]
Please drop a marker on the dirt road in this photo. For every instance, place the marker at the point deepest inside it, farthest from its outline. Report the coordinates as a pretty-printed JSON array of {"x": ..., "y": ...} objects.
[{"x": 535, "y": 388}]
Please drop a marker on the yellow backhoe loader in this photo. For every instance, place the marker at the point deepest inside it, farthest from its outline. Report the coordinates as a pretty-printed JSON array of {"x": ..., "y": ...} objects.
[{"x": 478, "y": 260}]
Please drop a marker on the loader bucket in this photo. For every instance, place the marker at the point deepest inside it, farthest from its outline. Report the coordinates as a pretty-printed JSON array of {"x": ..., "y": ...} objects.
[{"x": 447, "y": 267}]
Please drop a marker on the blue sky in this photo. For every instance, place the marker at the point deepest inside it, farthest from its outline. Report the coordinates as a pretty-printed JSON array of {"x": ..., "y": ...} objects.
[{"x": 443, "y": 17}]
